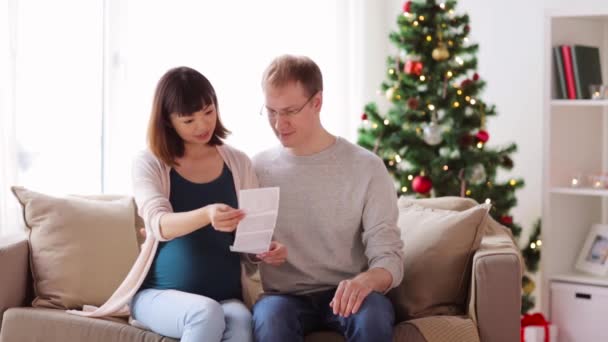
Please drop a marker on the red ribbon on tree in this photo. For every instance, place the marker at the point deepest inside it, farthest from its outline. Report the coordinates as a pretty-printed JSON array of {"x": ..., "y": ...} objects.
[{"x": 537, "y": 320}]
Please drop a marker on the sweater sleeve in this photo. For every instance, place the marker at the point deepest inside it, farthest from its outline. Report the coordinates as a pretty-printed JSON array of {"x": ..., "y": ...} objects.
[
  {"x": 381, "y": 236},
  {"x": 151, "y": 202}
]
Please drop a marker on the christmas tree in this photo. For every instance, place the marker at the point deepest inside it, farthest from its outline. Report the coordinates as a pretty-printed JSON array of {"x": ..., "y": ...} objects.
[{"x": 433, "y": 138}]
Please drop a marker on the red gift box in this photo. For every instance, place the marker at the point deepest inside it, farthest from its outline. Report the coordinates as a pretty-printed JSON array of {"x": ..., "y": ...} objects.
[{"x": 535, "y": 320}]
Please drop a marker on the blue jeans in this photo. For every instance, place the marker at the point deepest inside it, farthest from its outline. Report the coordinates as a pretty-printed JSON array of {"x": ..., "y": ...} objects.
[
  {"x": 278, "y": 318},
  {"x": 191, "y": 317}
]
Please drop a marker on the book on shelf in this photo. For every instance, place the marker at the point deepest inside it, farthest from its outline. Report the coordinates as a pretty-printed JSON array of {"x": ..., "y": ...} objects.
[
  {"x": 560, "y": 79},
  {"x": 587, "y": 68},
  {"x": 576, "y": 68},
  {"x": 569, "y": 72}
]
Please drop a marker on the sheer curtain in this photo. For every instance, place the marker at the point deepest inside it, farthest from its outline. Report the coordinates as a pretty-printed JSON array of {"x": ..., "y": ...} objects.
[
  {"x": 51, "y": 99},
  {"x": 78, "y": 77},
  {"x": 231, "y": 43},
  {"x": 8, "y": 147}
]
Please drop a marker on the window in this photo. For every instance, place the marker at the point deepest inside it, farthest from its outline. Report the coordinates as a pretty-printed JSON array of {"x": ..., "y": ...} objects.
[
  {"x": 58, "y": 88},
  {"x": 82, "y": 74}
]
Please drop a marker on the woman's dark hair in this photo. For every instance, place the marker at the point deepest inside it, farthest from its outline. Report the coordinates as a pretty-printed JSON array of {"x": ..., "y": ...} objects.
[{"x": 183, "y": 91}]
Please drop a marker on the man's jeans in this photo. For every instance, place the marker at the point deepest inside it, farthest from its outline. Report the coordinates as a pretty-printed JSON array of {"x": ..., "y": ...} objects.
[{"x": 279, "y": 318}]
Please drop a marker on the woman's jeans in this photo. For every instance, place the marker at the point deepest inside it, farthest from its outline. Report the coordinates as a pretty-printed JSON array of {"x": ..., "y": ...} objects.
[{"x": 191, "y": 317}]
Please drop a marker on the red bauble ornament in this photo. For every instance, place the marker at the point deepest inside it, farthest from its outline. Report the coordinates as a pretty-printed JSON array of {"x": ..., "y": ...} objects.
[
  {"x": 482, "y": 136},
  {"x": 506, "y": 219},
  {"x": 413, "y": 68},
  {"x": 465, "y": 83},
  {"x": 422, "y": 184},
  {"x": 363, "y": 117},
  {"x": 476, "y": 77},
  {"x": 407, "y": 6},
  {"x": 467, "y": 29},
  {"x": 412, "y": 103}
]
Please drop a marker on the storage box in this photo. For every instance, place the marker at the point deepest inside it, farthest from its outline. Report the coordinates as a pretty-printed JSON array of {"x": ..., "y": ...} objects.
[
  {"x": 579, "y": 311},
  {"x": 537, "y": 334}
]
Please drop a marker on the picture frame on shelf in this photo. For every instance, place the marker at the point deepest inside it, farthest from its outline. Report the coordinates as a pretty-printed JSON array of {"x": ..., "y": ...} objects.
[{"x": 593, "y": 257}]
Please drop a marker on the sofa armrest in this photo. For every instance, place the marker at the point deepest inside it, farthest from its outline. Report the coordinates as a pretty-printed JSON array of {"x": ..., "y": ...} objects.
[
  {"x": 14, "y": 256},
  {"x": 495, "y": 298}
]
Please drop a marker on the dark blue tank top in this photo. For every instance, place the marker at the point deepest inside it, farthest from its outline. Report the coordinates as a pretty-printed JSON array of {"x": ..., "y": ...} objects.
[{"x": 200, "y": 262}]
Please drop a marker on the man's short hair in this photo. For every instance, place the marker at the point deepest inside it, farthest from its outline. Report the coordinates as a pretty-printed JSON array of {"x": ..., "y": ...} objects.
[{"x": 289, "y": 68}]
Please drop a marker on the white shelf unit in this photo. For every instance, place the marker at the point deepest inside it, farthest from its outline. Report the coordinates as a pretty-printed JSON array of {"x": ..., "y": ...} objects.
[{"x": 575, "y": 141}]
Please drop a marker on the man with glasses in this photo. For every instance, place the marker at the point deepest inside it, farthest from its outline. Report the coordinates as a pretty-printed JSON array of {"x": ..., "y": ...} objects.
[{"x": 337, "y": 218}]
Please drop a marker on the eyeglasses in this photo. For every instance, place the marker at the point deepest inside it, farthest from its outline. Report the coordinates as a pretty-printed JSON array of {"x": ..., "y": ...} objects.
[{"x": 272, "y": 114}]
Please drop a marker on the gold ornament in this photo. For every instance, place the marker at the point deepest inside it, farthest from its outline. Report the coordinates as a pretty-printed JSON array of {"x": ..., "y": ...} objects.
[
  {"x": 440, "y": 53},
  {"x": 529, "y": 287}
]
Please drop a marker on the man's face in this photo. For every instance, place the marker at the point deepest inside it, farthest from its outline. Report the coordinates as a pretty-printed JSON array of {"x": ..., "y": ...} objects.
[{"x": 292, "y": 113}]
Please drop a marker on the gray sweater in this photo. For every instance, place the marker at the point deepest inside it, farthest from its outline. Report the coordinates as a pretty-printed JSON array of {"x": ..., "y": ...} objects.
[{"x": 337, "y": 217}]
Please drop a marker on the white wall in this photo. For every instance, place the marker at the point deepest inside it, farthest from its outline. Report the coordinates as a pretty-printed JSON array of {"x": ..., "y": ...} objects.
[{"x": 510, "y": 59}]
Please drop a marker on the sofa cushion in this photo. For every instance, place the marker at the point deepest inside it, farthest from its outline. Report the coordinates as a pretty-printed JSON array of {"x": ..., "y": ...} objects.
[
  {"x": 438, "y": 246},
  {"x": 30, "y": 324},
  {"x": 80, "y": 249},
  {"x": 446, "y": 202}
]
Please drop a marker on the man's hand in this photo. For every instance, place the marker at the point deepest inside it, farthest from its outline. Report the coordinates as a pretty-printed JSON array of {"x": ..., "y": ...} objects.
[
  {"x": 276, "y": 255},
  {"x": 352, "y": 292},
  {"x": 349, "y": 297}
]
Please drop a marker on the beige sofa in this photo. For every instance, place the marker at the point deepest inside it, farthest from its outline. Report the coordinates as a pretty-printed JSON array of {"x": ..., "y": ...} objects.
[{"x": 493, "y": 309}]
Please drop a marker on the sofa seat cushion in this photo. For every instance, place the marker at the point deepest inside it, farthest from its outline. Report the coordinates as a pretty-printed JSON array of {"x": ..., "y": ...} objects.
[
  {"x": 445, "y": 328},
  {"x": 403, "y": 332},
  {"x": 408, "y": 333},
  {"x": 37, "y": 324}
]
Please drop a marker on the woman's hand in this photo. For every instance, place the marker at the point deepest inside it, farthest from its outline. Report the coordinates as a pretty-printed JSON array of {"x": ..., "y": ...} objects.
[
  {"x": 276, "y": 255},
  {"x": 223, "y": 217}
]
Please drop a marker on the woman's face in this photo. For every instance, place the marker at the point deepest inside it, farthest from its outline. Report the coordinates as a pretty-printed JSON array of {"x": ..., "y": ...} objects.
[{"x": 197, "y": 128}]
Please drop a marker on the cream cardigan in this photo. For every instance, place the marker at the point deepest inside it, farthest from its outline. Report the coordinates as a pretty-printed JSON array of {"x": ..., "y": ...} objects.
[{"x": 151, "y": 191}]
